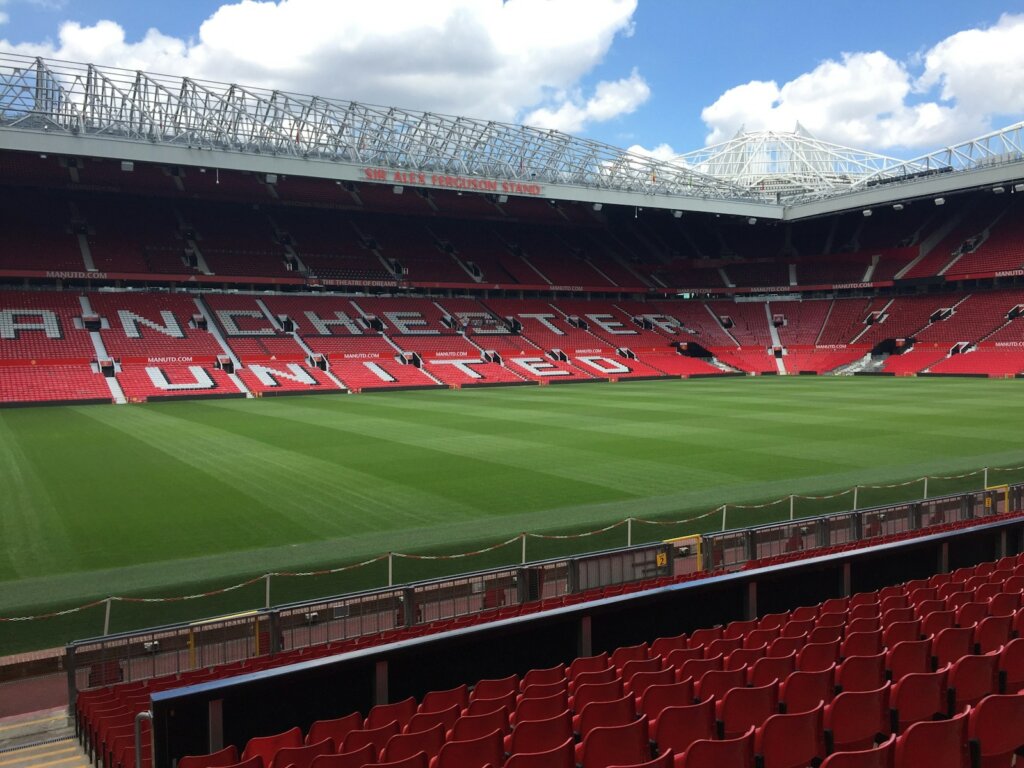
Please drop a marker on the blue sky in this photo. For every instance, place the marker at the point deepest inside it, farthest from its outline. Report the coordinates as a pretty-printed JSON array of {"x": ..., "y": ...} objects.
[{"x": 664, "y": 75}]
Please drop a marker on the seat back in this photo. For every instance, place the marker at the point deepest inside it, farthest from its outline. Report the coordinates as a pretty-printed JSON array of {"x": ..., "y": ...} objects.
[
  {"x": 1011, "y": 665},
  {"x": 543, "y": 676},
  {"x": 302, "y": 757},
  {"x": 909, "y": 656},
  {"x": 861, "y": 673},
  {"x": 854, "y": 719},
  {"x": 403, "y": 745},
  {"x": 815, "y": 657},
  {"x": 951, "y": 644},
  {"x": 474, "y": 726},
  {"x": 996, "y": 724},
  {"x": 802, "y": 691},
  {"x": 934, "y": 743},
  {"x": 267, "y": 746},
  {"x": 714, "y": 683},
  {"x": 606, "y": 713},
  {"x": 656, "y": 698},
  {"x": 918, "y": 697},
  {"x": 540, "y": 708},
  {"x": 662, "y": 646},
  {"x": 875, "y": 757},
  {"x": 377, "y": 737},
  {"x": 972, "y": 678},
  {"x": 742, "y": 708},
  {"x": 437, "y": 701},
  {"x": 493, "y": 688},
  {"x": 560, "y": 756},
  {"x": 587, "y": 664},
  {"x": 592, "y": 692},
  {"x": 421, "y": 721},
  {"x": 628, "y": 653},
  {"x": 418, "y": 760},
  {"x": 992, "y": 633},
  {"x": 356, "y": 758},
  {"x": 615, "y": 745},
  {"x": 769, "y": 668},
  {"x": 735, "y": 753},
  {"x": 472, "y": 753},
  {"x": 540, "y": 735},
  {"x": 791, "y": 740},
  {"x": 677, "y": 728},
  {"x": 224, "y": 757},
  {"x": 382, "y": 714},
  {"x": 334, "y": 729}
]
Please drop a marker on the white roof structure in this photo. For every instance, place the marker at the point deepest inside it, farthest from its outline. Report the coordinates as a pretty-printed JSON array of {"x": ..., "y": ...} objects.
[
  {"x": 92, "y": 111},
  {"x": 781, "y": 165}
]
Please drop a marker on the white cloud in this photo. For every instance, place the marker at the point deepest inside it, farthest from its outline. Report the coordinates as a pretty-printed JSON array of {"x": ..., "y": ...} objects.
[
  {"x": 869, "y": 99},
  {"x": 484, "y": 58},
  {"x": 660, "y": 152},
  {"x": 4, "y": 18},
  {"x": 610, "y": 100}
]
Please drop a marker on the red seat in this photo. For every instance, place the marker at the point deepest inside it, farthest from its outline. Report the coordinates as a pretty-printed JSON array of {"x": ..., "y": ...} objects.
[
  {"x": 560, "y": 756},
  {"x": 952, "y": 643},
  {"x": 335, "y": 729},
  {"x": 606, "y": 675},
  {"x": 482, "y": 706},
  {"x": 861, "y": 643},
  {"x": 614, "y": 745},
  {"x": 591, "y": 692},
  {"x": 474, "y": 726},
  {"x": 543, "y": 676},
  {"x": 403, "y": 745},
  {"x": 696, "y": 668},
  {"x": 677, "y": 656},
  {"x": 802, "y": 691},
  {"x": 739, "y": 628},
  {"x": 1011, "y": 665},
  {"x": 773, "y": 621},
  {"x": 763, "y": 636},
  {"x": 471, "y": 753},
  {"x": 356, "y": 758},
  {"x": 744, "y": 657},
  {"x": 854, "y": 719},
  {"x": 918, "y": 697},
  {"x": 894, "y": 615},
  {"x": 935, "y": 744},
  {"x": 769, "y": 668},
  {"x": 1004, "y": 604},
  {"x": 418, "y": 760},
  {"x": 909, "y": 656},
  {"x": 972, "y": 678},
  {"x": 791, "y": 740},
  {"x": 861, "y": 673},
  {"x": 864, "y": 624},
  {"x": 875, "y": 757},
  {"x": 543, "y": 690},
  {"x": 604, "y": 713},
  {"x": 996, "y": 725},
  {"x": 657, "y": 697},
  {"x": 253, "y": 762},
  {"x": 704, "y": 636},
  {"x": 734, "y": 753},
  {"x": 540, "y": 708},
  {"x": 302, "y": 757},
  {"x": 901, "y": 631},
  {"x": 265, "y": 747},
  {"x": 491, "y": 689},
  {"x": 224, "y": 757},
  {"x": 437, "y": 701},
  {"x": 666, "y": 760},
  {"x": 583, "y": 664},
  {"x": 797, "y": 627},
  {"x": 992, "y": 633},
  {"x": 382, "y": 714},
  {"x": 423, "y": 721},
  {"x": 676, "y": 728},
  {"x": 783, "y": 646},
  {"x": 377, "y": 737},
  {"x": 936, "y": 621},
  {"x": 814, "y": 657},
  {"x": 540, "y": 735},
  {"x": 742, "y": 708},
  {"x": 714, "y": 683},
  {"x": 969, "y": 614},
  {"x": 641, "y": 681},
  {"x": 626, "y": 653},
  {"x": 634, "y": 667},
  {"x": 662, "y": 646}
]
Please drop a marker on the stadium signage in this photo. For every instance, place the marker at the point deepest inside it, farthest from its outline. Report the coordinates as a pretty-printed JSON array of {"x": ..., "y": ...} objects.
[
  {"x": 445, "y": 181},
  {"x": 77, "y": 275}
]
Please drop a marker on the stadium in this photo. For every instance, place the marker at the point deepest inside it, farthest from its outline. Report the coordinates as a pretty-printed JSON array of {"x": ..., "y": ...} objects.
[{"x": 783, "y": 525}]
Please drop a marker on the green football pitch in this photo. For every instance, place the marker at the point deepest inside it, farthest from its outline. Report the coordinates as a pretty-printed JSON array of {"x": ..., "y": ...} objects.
[{"x": 184, "y": 497}]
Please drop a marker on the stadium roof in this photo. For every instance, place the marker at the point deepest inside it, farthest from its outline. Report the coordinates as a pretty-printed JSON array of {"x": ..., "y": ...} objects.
[{"x": 84, "y": 109}]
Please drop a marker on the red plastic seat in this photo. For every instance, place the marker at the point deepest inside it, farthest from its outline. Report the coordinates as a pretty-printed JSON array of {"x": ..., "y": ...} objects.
[
  {"x": 471, "y": 753},
  {"x": 641, "y": 681},
  {"x": 614, "y": 745},
  {"x": 762, "y": 636},
  {"x": 677, "y": 728},
  {"x": 696, "y": 668},
  {"x": 667, "y": 760},
  {"x": 634, "y": 667},
  {"x": 606, "y": 675},
  {"x": 835, "y": 605},
  {"x": 540, "y": 735},
  {"x": 677, "y": 656},
  {"x": 936, "y": 621},
  {"x": 356, "y": 758},
  {"x": 403, "y": 745},
  {"x": 783, "y": 646},
  {"x": 302, "y": 757},
  {"x": 815, "y": 657},
  {"x": 626, "y": 653},
  {"x": 723, "y": 646},
  {"x": 704, "y": 636},
  {"x": 969, "y": 614},
  {"x": 482, "y": 706},
  {"x": 791, "y": 740},
  {"x": 744, "y": 657},
  {"x": 662, "y": 646},
  {"x": 657, "y": 697},
  {"x": 418, "y": 760},
  {"x": 935, "y": 744},
  {"x": 382, "y": 714},
  {"x": 773, "y": 621},
  {"x": 253, "y": 762},
  {"x": 543, "y": 690},
  {"x": 493, "y": 688},
  {"x": 802, "y": 691},
  {"x": 901, "y": 631},
  {"x": 474, "y": 726},
  {"x": 734, "y": 753},
  {"x": 876, "y": 757},
  {"x": 1004, "y": 604},
  {"x": 378, "y": 737},
  {"x": 798, "y": 627},
  {"x": 334, "y": 729},
  {"x": 952, "y": 643},
  {"x": 861, "y": 673},
  {"x": 909, "y": 656},
  {"x": 769, "y": 668},
  {"x": 583, "y": 664},
  {"x": 996, "y": 725},
  {"x": 864, "y": 624},
  {"x": 714, "y": 683},
  {"x": 561, "y": 756},
  {"x": 992, "y": 633},
  {"x": 437, "y": 701},
  {"x": 604, "y": 713},
  {"x": 742, "y": 708},
  {"x": 543, "y": 676},
  {"x": 894, "y": 615},
  {"x": 861, "y": 643},
  {"x": 219, "y": 759},
  {"x": 854, "y": 719},
  {"x": 739, "y": 628},
  {"x": 972, "y": 678},
  {"x": 919, "y": 697},
  {"x": 1011, "y": 665},
  {"x": 595, "y": 692},
  {"x": 540, "y": 708},
  {"x": 265, "y": 747},
  {"x": 422, "y": 721}
]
